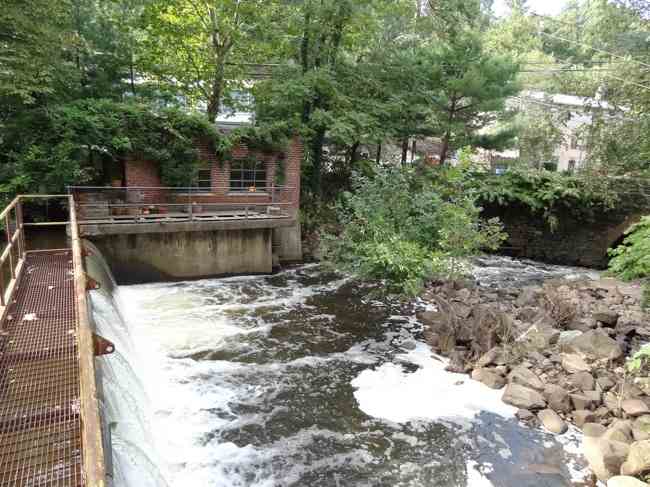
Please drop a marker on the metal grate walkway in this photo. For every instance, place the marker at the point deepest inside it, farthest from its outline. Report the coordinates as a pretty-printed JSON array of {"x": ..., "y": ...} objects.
[{"x": 40, "y": 426}]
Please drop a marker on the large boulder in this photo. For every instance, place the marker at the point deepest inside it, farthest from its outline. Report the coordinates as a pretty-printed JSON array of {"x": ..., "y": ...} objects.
[
  {"x": 605, "y": 456},
  {"x": 552, "y": 422},
  {"x": 596, "y": 345},
  {"x": 638, "y": 460},
  {"x": 557, "y": 398},
  {"x": 619, "y": 430},
  {"x": 606, "y": 317},
  {"x": 523, "y": 376},
  {"x": 625, "y": 481},
  {"x": 523, "y": 397},
  {"x": 540, "y": 335},
  {"x": 582, "y": 380},
  {"x": 489, "y": 378}
]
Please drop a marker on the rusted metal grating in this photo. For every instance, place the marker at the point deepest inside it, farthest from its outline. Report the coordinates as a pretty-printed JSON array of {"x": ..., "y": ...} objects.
[{"x": 40, "y": 439}]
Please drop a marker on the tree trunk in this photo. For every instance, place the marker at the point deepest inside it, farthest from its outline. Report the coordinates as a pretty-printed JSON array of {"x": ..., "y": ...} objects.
[
  {"x": 378, "y": 158},
  {"x": 445, "y": 148},
  {"x": 405, "y": 149},
  {"x": 413, "y": 146},
  {"x": 317, "y": 162},
  {"x": 354, "y": 149}
]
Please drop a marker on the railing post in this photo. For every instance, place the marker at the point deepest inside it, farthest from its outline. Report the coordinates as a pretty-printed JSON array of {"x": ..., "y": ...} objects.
[
  {"x": 21, "y": 228},
  {"x": 11, "y": 245}
]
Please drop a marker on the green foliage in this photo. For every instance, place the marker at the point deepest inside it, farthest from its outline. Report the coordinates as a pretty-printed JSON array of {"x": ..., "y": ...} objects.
[
  {"x": 640, "y": 360},
  {"x": 405, "y": 228},
  {"x": 82, "y": 141},
  {"x": 546, "y": 192},
  {"x": 631, "y": 259}
]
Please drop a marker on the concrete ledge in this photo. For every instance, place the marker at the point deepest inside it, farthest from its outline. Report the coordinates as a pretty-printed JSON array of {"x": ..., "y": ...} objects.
[{"x": 99, "y": 229}]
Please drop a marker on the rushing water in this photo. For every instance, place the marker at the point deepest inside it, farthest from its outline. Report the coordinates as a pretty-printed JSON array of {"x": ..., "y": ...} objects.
[{"x": 304, "y": 379}]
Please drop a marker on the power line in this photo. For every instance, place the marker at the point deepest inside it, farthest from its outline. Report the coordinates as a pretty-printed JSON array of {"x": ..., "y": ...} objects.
[{"x": 583, "y": 44}]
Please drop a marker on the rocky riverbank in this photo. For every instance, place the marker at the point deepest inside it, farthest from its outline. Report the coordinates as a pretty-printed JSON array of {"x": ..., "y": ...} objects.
[{"x": 558, "y": 350}]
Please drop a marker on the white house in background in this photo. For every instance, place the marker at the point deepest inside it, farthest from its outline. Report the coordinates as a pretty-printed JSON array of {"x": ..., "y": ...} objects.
[{"x": 572, "y": 152}]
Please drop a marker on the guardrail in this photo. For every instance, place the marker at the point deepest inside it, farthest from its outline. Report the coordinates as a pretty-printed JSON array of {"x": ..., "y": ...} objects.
[
  {"x": 15, "y": 251},
  {"x": 145, "y": 203}
]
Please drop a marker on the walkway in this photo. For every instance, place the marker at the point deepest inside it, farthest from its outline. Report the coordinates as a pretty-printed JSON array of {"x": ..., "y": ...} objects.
[{"x": 50, "y": 428}]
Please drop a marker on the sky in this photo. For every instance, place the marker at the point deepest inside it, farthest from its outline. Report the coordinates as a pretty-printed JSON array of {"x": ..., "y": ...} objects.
[{"x": 544, "y": 7}]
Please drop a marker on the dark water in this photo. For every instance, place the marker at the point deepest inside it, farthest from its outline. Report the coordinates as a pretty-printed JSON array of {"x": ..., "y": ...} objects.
[{"x": 305, "y": 379}]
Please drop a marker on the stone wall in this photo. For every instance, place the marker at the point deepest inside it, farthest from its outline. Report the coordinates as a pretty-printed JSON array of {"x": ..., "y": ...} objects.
[
  {"x": 152, "y": 257},
  {"x": 578, "y": 240}
]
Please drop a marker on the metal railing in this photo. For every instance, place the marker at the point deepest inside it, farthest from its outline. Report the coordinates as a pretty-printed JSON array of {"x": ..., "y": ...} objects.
[
  {"x": 15, "y": 253},
  {"x": 159, "y": 203}
]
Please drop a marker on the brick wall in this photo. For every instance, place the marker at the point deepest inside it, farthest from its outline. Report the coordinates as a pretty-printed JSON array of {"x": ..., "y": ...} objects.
[{"x": 145, "y": 173}]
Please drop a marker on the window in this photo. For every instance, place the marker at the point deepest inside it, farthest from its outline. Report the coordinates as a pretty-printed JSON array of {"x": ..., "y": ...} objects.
[
  {"x": 248, "y": 175},
  {"x": 204, "y": 179}
]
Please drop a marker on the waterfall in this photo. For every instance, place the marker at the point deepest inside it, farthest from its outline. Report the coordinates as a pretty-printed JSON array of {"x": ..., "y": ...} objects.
[{"x": 124, "y": 401}]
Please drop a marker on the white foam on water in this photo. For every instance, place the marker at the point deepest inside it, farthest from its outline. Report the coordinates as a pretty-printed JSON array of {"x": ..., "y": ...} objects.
[{"x": 392, "y": 393}]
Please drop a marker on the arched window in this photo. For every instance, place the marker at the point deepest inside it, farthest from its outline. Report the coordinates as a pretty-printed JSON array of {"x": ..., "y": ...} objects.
[{"x": 247, "y": 175}]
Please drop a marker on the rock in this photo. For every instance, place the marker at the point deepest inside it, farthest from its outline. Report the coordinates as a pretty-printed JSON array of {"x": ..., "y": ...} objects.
[
  {"x": 523, "y": 397},
  {"x": 606, "y": 317},
  {"x": 574, "y": 363},
  {"x": 643, "y": 383},
  {"x": 610, "y": 399},
  {"x": 552, "y": 422},
  {"x": 524, "y": 377},
  {"x": 641, "y": 428},
  {"x": 619, "y": 430},
  {"x": 605, "y": 457},
  {"x": 568, "y": 335},
  {"x": 409, "y": 345},
  {"x": 605, "y": 383},
  {"x": 582, "y": 380},
  {"x": 528, "y": 297},
  {"x": 539, "y": 336},
  {"x": 635, "y": 407},
  {"x": 625, "y": 481},
  {"x": 582, "y": 416},
  {"x": 524, "y": 415},
  {"x": 596, "y": 345},
  {"x": 584, "y": 401},
  {"x": 558, "y": 398},
  {"x": 489, "y": 378},
  {"x": 494, "y": 356},
  {"x": 464, "y": 294},
  {"x": 593, "y": 430},
  {"x": 527, "y": 314},
  {"x": 638, "y": 460}
]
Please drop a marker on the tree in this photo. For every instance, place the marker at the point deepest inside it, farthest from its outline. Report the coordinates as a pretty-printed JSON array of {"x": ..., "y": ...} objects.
[{"x": 196, "y": 46}]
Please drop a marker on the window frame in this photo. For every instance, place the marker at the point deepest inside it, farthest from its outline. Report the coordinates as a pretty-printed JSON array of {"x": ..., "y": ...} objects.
[{"x": 253, "y": 176}]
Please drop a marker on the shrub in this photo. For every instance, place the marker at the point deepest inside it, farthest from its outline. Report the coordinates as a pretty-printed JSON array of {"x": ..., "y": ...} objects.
[
  {"x": 631, "y": 259},
  {"x": 404, "y": 228}
]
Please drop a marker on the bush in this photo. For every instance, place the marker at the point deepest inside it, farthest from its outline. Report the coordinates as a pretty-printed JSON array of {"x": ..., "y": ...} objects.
[
  {"x": 404, "y": 227},
  {"x": 631, "y": 259}
]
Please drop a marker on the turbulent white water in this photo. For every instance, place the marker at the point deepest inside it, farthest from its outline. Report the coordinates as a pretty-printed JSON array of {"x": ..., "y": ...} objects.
[{"x": 299, "y": 379}]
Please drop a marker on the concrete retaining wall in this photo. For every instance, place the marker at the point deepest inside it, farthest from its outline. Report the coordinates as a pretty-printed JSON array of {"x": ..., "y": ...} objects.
[{"x": 149, "y": 257}]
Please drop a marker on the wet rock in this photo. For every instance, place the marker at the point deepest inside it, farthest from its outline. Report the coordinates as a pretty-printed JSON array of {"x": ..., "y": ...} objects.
[
  {"x": 489, "y": 378},
  {"x": 456, "y": 363},
  {"x": 596, "y": 345},
  {"x": 557, "y": 398},
  {"x": 523, "y": 397},
  {"x": 625, "y": 481},
  {"x": 552, "y": 422},
  {"x": 523, "y": 376},
  {"x": 605, "y": 457},
  {"x": 638, "y": 460},
  {"x": 635, "y": 407},
  {"x": 582, "y": 416},
  {"x": 524, "y": 415},
  {"x": 409, "y": 345},
  {"x": 582, "y": 380},
  {"x": 606, "y": 317},
  {"x": 574, "y": 363},
  {"x": 641, "y": 428}
]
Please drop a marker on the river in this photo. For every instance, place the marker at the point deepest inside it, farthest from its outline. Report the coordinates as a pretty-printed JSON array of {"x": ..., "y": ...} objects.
[{"x": 306, "y": 378}]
